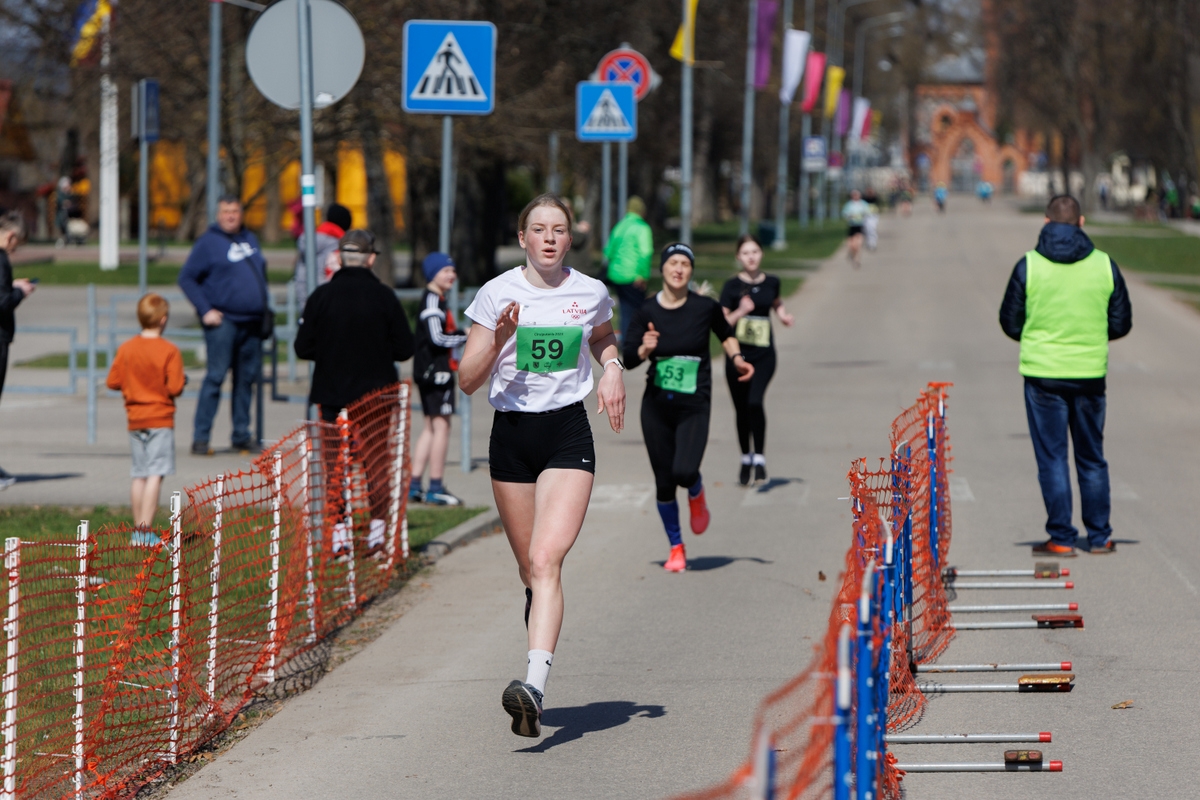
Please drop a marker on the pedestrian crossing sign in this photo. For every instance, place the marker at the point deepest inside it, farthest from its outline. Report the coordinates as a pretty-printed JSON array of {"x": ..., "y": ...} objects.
[
  {"x": 449, "y": 67},
  {"x": 605, "y": 112}
]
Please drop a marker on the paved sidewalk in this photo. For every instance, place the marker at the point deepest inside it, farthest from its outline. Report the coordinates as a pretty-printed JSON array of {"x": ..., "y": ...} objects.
[{"x": 657, "y": 676}]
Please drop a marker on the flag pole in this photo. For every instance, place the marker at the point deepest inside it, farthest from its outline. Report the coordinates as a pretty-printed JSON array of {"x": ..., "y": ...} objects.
[
  {"x": 110, "y": 200},
  {"x": 781, "y": 181},
  {"x": 806, "y": 121},
  {"x": 748, "y": 118},
  {"x": 685, "y": 137}
]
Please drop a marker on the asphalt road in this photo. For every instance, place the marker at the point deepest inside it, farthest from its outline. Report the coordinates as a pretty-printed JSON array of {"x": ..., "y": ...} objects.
[{"x": 657, "y": 676}]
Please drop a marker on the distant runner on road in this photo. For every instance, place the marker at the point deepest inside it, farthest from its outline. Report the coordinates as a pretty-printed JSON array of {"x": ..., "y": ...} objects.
[
  {"x": 534, "y": 327},
  {"x": 1065, "y": 301},
  {"x": 855, "y": 213},
  {"x": 748, "y": 299},
  {"x": 671, "y": 331}
]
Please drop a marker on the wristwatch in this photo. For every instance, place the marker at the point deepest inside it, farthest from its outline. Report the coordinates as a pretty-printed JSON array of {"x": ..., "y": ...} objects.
[{"x": 616, "y": 361}]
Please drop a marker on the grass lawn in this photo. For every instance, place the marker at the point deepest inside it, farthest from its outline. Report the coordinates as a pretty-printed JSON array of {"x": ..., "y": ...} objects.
[
  {"x": 81, "y": 273},
  {"x": 59, "y": 360},
  {"x": 1172, "y": 252},
  {"x": 40, "y": 523}
]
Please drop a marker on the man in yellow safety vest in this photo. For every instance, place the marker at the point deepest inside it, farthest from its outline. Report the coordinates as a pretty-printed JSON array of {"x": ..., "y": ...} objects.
[{"x": 1065, "y": 301}]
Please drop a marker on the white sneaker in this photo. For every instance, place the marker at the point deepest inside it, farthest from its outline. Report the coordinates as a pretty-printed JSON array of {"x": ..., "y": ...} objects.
[{"x": 375, "y": 535}]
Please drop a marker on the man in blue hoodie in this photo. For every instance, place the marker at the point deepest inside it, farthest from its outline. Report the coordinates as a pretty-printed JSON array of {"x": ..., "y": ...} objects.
[
  {"x": 1065, "y": 301},
  {"x": 225, "y": 278}
]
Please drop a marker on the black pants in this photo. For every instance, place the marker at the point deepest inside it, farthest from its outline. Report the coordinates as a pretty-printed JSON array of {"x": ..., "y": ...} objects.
[
  {"x": 675, "y": 437},
  {"x": 748, "y": 399},
  {"x": 3, "y": 363}
]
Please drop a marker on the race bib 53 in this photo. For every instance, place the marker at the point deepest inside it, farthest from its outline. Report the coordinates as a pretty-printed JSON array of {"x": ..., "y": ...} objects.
[{"x": 677, "y": 374}]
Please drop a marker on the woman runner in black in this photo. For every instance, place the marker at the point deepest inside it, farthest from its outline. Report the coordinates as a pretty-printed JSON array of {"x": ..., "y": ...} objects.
[
  {"x": 671, "y": 331},
  {"x": 748, "y": 298}
]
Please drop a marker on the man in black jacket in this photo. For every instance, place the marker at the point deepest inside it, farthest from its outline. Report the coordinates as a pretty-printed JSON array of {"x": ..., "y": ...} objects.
[
  {"x": 1065, "y": 301},
  {"x": 354, "y": 331},
  {"x": 12, "y": 292}
]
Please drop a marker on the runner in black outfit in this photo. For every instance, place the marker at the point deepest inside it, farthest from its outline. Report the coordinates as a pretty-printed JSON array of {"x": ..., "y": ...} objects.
[
  {"x": 671, "y": 331},
  {"x": 748, "y": 298}
]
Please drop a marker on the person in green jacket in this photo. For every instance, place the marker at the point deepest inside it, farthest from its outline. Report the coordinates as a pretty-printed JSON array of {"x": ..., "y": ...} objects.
[{"x": 629, "y": 253}]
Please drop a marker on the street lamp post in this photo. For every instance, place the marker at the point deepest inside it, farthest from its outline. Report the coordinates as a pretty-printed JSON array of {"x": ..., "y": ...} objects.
[{"x": 836, "y": 51}]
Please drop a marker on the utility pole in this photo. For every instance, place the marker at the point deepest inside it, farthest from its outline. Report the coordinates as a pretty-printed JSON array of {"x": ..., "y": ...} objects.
[
  {"x": 685, "y": 137},
  {"x": 110, "y": 196},
  {"x": 782, "y": 171},
  {"x": 748, "y": 118},
  {"x": 214, "y": 114},
  {"x": 806, "y": 120}
]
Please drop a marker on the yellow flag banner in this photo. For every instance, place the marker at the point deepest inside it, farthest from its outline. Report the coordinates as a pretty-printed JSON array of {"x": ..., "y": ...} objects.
[
  {"x": 688, "y": 26},
  {"x": 89, "y": 22},
  {"x": 833, "y": 87}
]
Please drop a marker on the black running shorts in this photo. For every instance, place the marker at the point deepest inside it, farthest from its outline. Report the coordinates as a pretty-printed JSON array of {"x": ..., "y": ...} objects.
[
  {"x": 854, "y": 230},
  {"x": 525, "y": 444},
  {"x": 437, "y": 401}
]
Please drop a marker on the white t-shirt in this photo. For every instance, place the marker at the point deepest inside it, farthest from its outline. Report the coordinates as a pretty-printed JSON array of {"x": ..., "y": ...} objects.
[{"x": 579, "y": 300}]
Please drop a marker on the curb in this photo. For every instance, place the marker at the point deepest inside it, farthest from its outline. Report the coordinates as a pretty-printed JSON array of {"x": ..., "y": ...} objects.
[{"x": 461, "y": 534}]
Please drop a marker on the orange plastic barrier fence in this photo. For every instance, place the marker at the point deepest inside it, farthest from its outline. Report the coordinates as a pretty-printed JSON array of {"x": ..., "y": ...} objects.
[
  {"x": 792, "y": 751},
  {"x": 126, "y": 651}
]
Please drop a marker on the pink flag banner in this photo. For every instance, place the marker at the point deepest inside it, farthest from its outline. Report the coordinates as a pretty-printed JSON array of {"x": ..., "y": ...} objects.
[
  {"x": 768, "y": 11},
  {"x": 842, "y": 118},
  {"x": 814, "y": 71}
]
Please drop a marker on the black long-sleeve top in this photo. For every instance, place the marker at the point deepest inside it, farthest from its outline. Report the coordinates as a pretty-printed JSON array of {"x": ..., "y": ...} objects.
[
  {"x": 1065, "y": 244},
  {"x": 354, "y": 330},
  {"x": 683, "y": 331},
  {"x": 10, "y": 298}
]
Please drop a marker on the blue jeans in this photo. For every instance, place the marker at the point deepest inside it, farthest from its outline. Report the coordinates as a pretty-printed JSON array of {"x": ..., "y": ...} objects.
[
  {"x": 236, "y": 346},
  {"x": 1051, "y": 415},
  {"x": 631, "y": 298}
]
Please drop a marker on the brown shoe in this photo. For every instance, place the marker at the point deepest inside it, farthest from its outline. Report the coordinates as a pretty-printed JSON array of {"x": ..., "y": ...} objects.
[
  {"x": 1050, "y": 548},
  {"x": 1103, "y": 549}
]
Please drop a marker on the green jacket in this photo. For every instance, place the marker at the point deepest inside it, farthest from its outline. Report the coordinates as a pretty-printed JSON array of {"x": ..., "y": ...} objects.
[{"x": 630, "y": 250}]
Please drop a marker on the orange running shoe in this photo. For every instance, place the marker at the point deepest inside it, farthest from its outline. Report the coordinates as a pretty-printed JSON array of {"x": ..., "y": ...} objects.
[
  {"x": 699, "y": 513},
  {"x": 678, "y": 560},
  {"x": 1050, "y": 548}
]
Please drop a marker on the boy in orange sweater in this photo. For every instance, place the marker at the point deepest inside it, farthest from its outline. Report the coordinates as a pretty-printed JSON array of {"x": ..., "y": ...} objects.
[{"x": 148, "y": 372}]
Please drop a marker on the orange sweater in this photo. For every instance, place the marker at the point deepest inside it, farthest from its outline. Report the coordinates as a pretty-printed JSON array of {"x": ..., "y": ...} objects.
[{"x": 148, "y": 372}]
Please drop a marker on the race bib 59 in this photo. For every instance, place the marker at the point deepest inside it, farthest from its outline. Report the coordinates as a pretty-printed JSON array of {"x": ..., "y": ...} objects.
[{"x": 548, "y": 348}]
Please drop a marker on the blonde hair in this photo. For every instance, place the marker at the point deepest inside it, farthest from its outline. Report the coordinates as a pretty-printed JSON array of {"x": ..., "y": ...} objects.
[
  {"x": 549, "y": 200},
  {"x": 151, "y": 310},
  {"x": 13, "y": 222}
]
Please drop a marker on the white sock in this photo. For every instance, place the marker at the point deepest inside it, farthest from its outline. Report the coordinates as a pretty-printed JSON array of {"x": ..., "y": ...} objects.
[
  {"x": 747, "y": 459},
  {"x": 539, "y": 669},
  {"x": 760, "y": 459}
]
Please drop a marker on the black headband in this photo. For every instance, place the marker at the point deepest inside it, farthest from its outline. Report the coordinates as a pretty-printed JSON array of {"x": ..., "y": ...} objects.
[{"x": 679, "y": 248}]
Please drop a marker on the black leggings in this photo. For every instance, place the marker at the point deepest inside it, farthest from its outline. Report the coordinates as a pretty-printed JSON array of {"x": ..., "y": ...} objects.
[
  {"x": 748, "y": 401},
  {"x": 675, "y": 439}
]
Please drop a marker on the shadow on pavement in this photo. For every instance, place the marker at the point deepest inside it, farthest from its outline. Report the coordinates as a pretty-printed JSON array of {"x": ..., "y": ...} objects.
[
  {"x": 705, "y": 563},
  {"x": 775, "y": 483},
  {"x": 33, "y": 477},
  {"x": 574, "y": 722}
]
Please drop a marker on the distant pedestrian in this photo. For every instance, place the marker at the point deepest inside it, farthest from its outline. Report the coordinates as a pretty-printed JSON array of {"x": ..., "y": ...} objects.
[
  {"x": 630, "y": 252},
  {"x": 354, "y": 331},
  {"x": 225, "y": 278},
  {"x": 148, "y": 372},
  {"x": 855, "y": 213},
  {"x": 329, "y": 233},
  {"x": 12, "y": 292},
  {"x": 1065, "y": 301},
  {"x": 434, "y": 365}
]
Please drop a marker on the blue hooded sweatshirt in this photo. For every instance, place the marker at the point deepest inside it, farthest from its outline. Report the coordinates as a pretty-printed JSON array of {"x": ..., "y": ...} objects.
[{"x": 220, "y": 273}]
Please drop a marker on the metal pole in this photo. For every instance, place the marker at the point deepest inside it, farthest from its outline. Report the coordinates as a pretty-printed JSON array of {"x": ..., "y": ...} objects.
[
  {"x": 214, "y": 593},
  {"x": 143, "y": 196},
  {"x": 176, "y": 622},
  {"x": 310, "y": 587},
  {"x": 12, "y": 625},
  {"x": 91, "y": 364},
  {"x": 273, "y": 581},
  {"x": 1065, "y": 666},
  {"x": 1049, "y": 766},
  {"x": 1001, "y": 609},
  {"x": 866, "y": 761},
  {"x": 622, "y": 178},
  {"x": 110, "y": 196},
  {"x": 555, "y": 182},
  {"x": 399, "y": 445},
  {"x": 308, "y": 178},
  {"x": 782, "y": 171},
  {"x": 1015, "y": 585},
  {"x": 447, "y": 203},
  {"x": 81, "y": 584},
  {"x": 685, "y": 135},
  {"x": 214, "y": 110},
  {"x": 605, "y": 192},
  {"x": 805, "y": 132},
  {"x": 843, "y": 771},
  {"x": 348, "y": 519},
  {"x": 748, "y": 119},
  {"x": 950, "y": 573},
  {"x": 969, "y": 738}
]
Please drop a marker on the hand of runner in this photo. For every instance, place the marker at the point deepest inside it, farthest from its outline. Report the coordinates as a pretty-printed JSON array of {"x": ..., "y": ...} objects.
[
  {"x": 506, "y": 323},
  {"x": 787, "y": 319},
  {"x": 649, "y": 342},
  {"x": 611, "y": 394},
  {"x": 745, "y": 369},
  {"x": 746, "y": 304}
]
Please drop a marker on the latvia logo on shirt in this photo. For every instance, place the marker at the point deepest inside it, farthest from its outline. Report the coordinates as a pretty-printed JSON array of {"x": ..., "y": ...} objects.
[{"x": 575, "y": 312}]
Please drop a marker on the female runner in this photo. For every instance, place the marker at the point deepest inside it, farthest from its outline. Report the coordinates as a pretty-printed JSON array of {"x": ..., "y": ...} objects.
[
  {"x": 748, "y": 298},
  {"x": 671, "y": 331},
  {"x": 534, "y": 326}
]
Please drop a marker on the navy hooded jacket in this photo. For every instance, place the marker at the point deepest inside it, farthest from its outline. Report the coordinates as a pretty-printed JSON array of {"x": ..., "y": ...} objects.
[
  {"x": 220, "y": 273},
  {"x": 1065, "y": 244}
]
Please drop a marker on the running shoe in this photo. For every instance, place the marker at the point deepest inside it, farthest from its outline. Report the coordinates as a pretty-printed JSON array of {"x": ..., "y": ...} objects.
[
  {"x": 7, "y": 479},
  {"x": 442, "y": 498},
  {"x": 201, "y": 449},
  {"x": 524, "y": 704},
  {"x": 699, "y": 513},
  {"x": 678, "y": 560},
  {"x": 1050, "y": 548},
  {"x": 528, "y": 605},
  {"x": 760, "y": 473},
  {"x": 1103, "y": 549},
  {"x": 744, "y": 475},
  {"x": 415, "y": 495}
]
